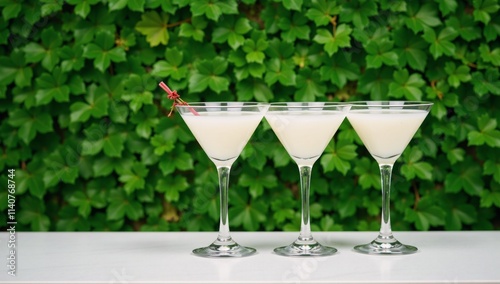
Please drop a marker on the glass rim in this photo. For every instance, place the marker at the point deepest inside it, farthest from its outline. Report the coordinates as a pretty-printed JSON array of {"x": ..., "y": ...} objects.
[
  {"x": 302, "y": 105},
  {"x": 218, "y": 104},
  {"x": 388, "y": 103},
  {"x": 298, "y": 103}
]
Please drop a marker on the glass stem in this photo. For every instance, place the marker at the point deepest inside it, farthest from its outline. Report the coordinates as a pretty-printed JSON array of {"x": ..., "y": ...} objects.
[
  {"x": 385, "y": 176},
  {"x": 224, "y": 234},
  {"x": 305, "y": 182}
]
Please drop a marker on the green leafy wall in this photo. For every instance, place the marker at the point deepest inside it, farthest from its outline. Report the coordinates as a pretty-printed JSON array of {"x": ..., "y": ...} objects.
[{"x": 84, "y": 123}]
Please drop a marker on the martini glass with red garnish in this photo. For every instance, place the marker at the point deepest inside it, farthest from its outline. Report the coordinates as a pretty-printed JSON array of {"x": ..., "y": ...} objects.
[{"x": 222, "y": 129}]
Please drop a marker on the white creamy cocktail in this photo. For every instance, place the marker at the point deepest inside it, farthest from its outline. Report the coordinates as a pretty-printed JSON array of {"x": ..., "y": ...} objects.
[
  {"x": 305, "y": 129},
  {"x": 222, "y": 134},
  {"x": 386, "y": 128},
  {"x": 305, "y": 134},
  {"x": 386, "y": 133}
]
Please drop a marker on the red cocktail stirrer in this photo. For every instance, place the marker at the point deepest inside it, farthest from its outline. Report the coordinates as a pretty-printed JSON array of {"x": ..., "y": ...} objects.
[{"x": 172, "y": 95}]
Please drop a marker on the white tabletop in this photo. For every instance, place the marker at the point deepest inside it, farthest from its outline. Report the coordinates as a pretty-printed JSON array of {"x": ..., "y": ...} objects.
[{"x": 137, "y": 257}]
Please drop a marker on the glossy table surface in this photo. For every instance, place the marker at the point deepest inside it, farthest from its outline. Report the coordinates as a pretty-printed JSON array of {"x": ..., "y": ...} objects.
[{"x": 140, "y": 257}]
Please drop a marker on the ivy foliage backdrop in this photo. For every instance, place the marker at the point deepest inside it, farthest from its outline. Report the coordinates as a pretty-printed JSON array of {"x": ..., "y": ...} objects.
[{"x": 84, "y": 123}]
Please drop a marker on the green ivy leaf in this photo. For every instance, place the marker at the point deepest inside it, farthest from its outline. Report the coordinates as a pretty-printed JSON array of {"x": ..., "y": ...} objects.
[
  {"x": 47, "y": 52},
  {"x": 410, "y": 49},
  {"x": 407, "y": 86},
  {"x": 376, "y": 82},
  {"x": 52, "y": 87},
  {"x": 293, "y": 4},
  {"x": 492, "y": 30},
  {"x": 457, "y": 75},
  {"x": 455, "y": 155},
  {"x": 51, "y": 6},
  {"x": 120, "y": 206},
  {"x": 82, "y": 7},
  {"x": 423, "y": 18},
  {"x": 441, "y": 90},
  {"x": 134, "y": 5},
  {"x": 492, "y": 168},
  {"x": 447, "y": 6},
  {"x": 255, "y": 154},
  {"x": 492, "y": 56},
  {"x": 133, "y": 179},
  {"x": 32, "y": 212},
  {"x": 294, "y": 27},
  {"x": 467, "y": 176},
  {"x": 258, "y": 181},
  {"x": 10, "y": 9},
  {"x": 328, "y": 224},
  {"x": 487, "y": 132},
  {"x": 280, "y": 157},
  {"x": 358, "y": 12},
  {"x": 67, "y": 222},
  {"x": 31, "y": 179},
  {"x": 276, "y": 71},
  {"x": 208, "y": 74},
  {"x": 369, "y": 174},
  {"x": 458, "y": 215},
  {"x": 486, "y": 82},
  {"x": 337, "y": 156},
  {"x": 489, "y": 198},
  {"x": 14, "y": 69},
  {"x": 441, "y": 44},
  {"x": 138, "y": 91},
  {"x": 146, "y": 121},
  {"x": 113, "y": 144},
  {"x": 60, "y": 167},
  {"x": 348, "y": 207},
  {"x": 380, "y": 53},
  {"x": 465, "y": 27},
  {"x": 253, "y": 87},
  {"x": 254, "y": 50},
  {"x": 483, "y": 9},
  {"x": 95, "y": 105},
  {"x": 414, "y": 167},
  {"x": 94, "y": 142},
  {"x": 309, "y": 85},
  {"x": 183, "y": 161},
  {"x": 154, "y": 27},
  {"x": 105, "y": 165},
  {"x": 195, "y": 29},
  {"x": 427, "y": 214},
  {"x": 30, "y": 123},
  {"x": 103, "y": 52},
  {"x": 213, "y": 9},
  {"x": 248, "y": 215},
  {"x": 167, "y": 6},
  {"x": 322, "y": 12},
  {"x": 231, "y": 31},
  {"x": 93, "y": 196},
  {"x": 332, "y": 43},
  {"x": 99, "y": 21},
  {"x": 162, "y": 143},
  {"x": 176, "y": 160},
  {"x": 72, "y": 58},
  {"x": 340, "y": 70}
]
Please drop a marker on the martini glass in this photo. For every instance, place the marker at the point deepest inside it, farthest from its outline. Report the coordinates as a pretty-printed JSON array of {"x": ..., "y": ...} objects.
[
  {"x": 305, "y": 129},
  {"x": 223, "y": 129},
  {"x": 386, "y": 128}
]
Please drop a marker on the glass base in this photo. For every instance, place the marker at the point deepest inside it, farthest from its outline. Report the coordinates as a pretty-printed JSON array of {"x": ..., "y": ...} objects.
[
  {"x": 305, "y": 248},
  {"x": 224, "y": 248},
  {"x": 385, "y": 246}
]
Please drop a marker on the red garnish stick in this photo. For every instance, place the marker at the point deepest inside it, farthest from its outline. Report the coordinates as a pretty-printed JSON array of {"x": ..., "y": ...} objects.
[{"x": 174, "y": 96}]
